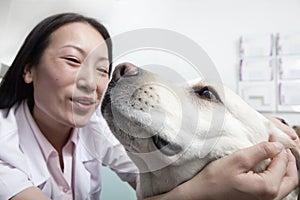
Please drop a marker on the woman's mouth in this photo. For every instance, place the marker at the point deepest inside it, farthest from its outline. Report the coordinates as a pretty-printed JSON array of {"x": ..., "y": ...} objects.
[{"x": 83, "y": 104}]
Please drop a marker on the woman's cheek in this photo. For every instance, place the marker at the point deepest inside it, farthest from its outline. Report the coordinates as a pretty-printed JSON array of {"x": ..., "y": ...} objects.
[{"x": 101, "y": 88}]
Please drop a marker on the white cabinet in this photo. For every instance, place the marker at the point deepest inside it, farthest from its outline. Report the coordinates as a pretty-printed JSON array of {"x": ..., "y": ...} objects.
[
  {"x": 289, "y": 96},
  {"x": 288, "y": 55},
  {"x": 256, "y": 69},
  {"x": 260, "y": 95},
  {"x": 269, "y": 79},
  {"x": 256, "y": 45},
  {"x": 289, "y": 67}
]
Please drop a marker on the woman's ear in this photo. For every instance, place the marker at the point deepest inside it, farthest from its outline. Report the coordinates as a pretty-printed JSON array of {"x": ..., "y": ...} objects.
[{"x": 27, "y": 74}]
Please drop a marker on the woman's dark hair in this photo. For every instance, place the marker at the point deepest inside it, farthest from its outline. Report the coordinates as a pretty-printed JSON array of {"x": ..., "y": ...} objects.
[{"x": 13, "y": 89}]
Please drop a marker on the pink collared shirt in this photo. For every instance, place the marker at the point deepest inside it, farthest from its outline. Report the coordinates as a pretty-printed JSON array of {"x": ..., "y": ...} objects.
[
  {"x": 28, "y": 159},
  {"x": 61, "y": 179}
]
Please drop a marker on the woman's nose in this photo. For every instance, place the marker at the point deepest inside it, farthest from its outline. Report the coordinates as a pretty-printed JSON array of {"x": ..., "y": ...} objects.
[
  {"x": 87, "y": 78},
  {"x": 124, "y": 70}
]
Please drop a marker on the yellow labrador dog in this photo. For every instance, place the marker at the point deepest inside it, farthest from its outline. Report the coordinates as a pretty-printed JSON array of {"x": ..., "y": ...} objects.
[{"x": 172, "y": 131}]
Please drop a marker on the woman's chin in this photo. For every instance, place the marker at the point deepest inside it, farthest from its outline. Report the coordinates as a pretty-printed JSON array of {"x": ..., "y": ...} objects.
[{"x": 80, "y": 120}]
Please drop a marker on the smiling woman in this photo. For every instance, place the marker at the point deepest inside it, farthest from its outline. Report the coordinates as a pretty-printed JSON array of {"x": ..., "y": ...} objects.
[
  {"x": 62, "y": 95},
  {"x": 48, "y": 100}
]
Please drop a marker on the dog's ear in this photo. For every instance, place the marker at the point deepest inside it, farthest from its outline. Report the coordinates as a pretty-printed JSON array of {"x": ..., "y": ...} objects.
[{"x": 165, "y": 147}]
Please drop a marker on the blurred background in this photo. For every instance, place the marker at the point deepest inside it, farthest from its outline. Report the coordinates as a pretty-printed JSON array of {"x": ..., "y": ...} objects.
[{"x": 254, "y": 45}]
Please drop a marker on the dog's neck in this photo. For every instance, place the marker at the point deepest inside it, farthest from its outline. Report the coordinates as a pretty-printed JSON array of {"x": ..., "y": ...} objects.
[
  {"x": 158, "y": 182},
  {"x": 167, "y": 178}
]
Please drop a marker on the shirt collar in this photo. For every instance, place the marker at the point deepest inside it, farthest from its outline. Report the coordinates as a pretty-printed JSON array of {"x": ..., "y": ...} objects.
[{"x": 46, "y": 148}]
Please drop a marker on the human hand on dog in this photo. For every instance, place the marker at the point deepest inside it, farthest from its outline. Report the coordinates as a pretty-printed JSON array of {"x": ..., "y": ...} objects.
[{"x": 231, "y": 177}]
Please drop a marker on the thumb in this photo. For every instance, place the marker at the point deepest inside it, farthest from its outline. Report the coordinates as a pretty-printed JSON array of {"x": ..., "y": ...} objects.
[{"x": 251, "y": 156}]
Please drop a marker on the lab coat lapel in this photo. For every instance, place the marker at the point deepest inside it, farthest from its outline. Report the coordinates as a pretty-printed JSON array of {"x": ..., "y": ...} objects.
[
  {"x": 38, "y": 168},
  {"x": 10, "y": 142},
  {"x": 82, "y": 182}
]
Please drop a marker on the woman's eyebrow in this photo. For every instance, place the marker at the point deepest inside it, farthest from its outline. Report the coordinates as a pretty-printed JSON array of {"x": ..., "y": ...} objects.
[{"x": 75, "y": 47}]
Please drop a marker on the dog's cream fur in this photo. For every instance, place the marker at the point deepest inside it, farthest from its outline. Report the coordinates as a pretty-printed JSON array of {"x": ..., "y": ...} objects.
[{"x": 199, "y": 121}]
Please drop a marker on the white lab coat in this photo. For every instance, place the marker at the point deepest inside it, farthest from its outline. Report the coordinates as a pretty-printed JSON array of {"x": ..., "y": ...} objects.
[{"x": 22, "y": 163}]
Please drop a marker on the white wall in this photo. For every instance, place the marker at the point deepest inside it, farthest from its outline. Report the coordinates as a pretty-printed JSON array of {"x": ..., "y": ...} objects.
[
  {"x": 18, "y": 17},
  {"x": 214, "y": 24}
]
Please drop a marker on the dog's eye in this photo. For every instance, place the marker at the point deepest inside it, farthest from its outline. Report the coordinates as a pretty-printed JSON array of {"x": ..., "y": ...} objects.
[{"x": 208, "y": 93}]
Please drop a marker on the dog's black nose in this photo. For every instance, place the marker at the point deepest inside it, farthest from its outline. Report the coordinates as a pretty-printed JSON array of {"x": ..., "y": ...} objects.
[{"x": 124, "y": 69}]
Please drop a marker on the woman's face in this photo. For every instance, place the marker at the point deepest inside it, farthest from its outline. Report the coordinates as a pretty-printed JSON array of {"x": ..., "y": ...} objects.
[{"x": 71, "y": 76}]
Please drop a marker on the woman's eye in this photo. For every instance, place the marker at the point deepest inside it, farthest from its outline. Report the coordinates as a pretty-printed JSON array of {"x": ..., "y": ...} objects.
[
  {"x": 208, "y": 94},
  {"x": 74, "y": 60},
  {"x": 103, "y": 71}
]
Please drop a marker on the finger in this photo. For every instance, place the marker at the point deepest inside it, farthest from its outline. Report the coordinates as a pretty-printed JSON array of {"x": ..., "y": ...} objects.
[
  {"x": 277, "y": 169},
  {"x": 289, "y": 131},
  {"x": 297, "y": 142},
  {"x": 292, "y": 170},
  {"x": 268, "y": 182},
  {"x": 272, "y": 138},
  {"x": 278, "y": 165},
  {"x": 283, "y": 127},
  {"x": 290, "y": 181},
  {"x": 250, "y": 157}
]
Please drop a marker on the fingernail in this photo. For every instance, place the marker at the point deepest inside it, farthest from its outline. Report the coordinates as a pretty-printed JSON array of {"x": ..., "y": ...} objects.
[{"x": 278, "y": 145}]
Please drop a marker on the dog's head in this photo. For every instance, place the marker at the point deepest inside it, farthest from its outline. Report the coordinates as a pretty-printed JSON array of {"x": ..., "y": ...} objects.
[
  {"x": 155, "y": 119},
  {"x": 172, "y": 131}
]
